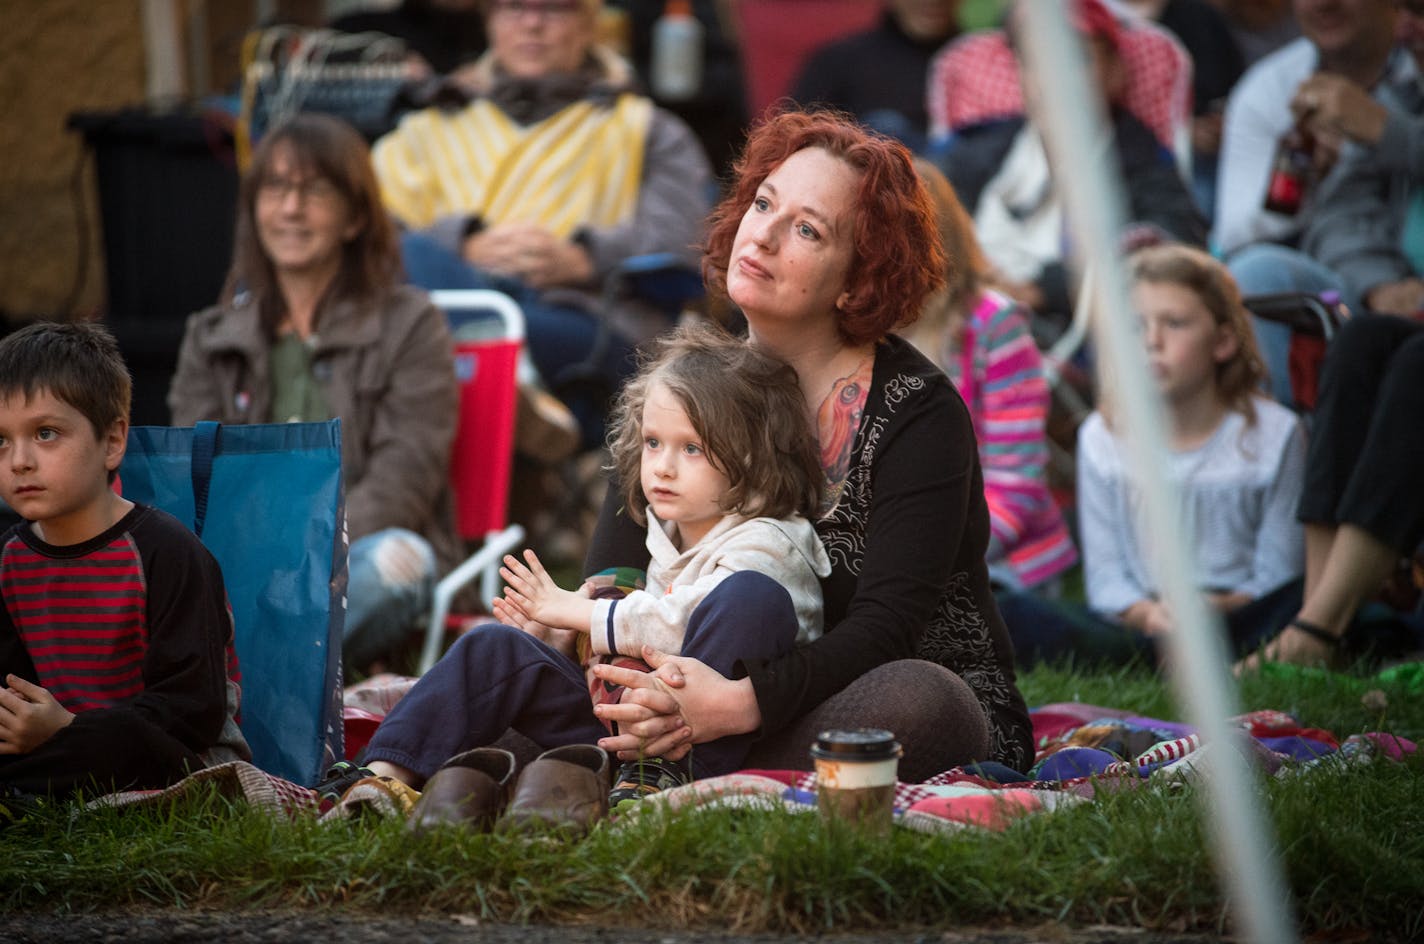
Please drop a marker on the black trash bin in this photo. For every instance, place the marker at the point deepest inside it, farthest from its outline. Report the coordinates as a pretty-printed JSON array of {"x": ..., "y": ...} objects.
[{"x": 167, "y": 196}]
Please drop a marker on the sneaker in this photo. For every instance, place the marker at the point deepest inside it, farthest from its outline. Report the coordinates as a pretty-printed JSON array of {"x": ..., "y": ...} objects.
[
  {"x": 381, "y": 797},
  {"x": 642, "y": 778},
  {"x": 339, "y": 778}
]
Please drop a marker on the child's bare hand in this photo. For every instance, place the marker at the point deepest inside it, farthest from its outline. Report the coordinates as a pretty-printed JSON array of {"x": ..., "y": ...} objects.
[
  {"x": 531, "y": 582},
  {"x": 511, "y": 615},
  {"x": 532, "y": 591},
  {"x": 563, "y": 640},
  {"x": 1158, "y": 620},
  {"x": 29, "y": 716},
  {"x": 1149, "y": 617}
]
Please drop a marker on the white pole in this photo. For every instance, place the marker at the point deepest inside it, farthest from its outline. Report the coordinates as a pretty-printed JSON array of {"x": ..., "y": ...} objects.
[
  {"x": 199, "y": 63},
  {"x": 164, "y": 80},
  {"x": 1249, "y": 872}
]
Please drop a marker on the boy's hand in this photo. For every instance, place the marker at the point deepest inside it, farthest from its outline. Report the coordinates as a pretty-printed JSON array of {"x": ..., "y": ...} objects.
[
  {"x": 29, "y": 716},
  {"x": 533, "y": 592}
]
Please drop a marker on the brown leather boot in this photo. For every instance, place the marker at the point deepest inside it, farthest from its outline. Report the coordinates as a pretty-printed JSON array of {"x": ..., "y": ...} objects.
[
  {"x": 565, "y": 789},
  {"x": 469, "y": 791}
]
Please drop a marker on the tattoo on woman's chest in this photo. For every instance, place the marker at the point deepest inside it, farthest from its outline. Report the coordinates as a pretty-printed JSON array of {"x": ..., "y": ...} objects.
[{"x": 836, "y": 423}]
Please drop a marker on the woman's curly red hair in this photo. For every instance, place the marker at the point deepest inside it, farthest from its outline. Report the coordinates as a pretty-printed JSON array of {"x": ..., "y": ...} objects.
[{"x": 898, "y": 260}]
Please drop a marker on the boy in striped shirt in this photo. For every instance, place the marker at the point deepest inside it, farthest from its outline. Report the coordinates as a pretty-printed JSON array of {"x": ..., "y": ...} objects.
[{"x": 115, "y": 631}]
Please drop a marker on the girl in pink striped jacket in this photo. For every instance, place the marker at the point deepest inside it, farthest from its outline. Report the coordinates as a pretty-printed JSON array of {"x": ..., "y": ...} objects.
[{"x": 981, "y": 338}]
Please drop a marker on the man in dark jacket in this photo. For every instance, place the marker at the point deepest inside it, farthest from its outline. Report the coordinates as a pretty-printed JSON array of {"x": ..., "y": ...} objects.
[{"x": 879, "y": 75}]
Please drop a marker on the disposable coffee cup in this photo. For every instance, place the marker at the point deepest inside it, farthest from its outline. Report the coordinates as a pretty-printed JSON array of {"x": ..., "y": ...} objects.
[{"x": 855, "y": 776}]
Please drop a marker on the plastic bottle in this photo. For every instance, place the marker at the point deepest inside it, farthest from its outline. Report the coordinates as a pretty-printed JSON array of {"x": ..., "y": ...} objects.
[
  {"x": 1291, "y": 172},
  {"x": 677, "y": 53}
]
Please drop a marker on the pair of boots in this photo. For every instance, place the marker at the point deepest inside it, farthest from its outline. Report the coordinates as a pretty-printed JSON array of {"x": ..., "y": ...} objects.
[{"x": 565, "y": 789}]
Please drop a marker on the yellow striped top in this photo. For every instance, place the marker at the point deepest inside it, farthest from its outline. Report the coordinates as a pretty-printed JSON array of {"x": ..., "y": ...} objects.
[{"x": 581, "y": 166}]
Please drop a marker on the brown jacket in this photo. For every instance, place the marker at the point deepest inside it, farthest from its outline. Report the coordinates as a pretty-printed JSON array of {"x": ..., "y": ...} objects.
[{"x": 386, "y": 369}]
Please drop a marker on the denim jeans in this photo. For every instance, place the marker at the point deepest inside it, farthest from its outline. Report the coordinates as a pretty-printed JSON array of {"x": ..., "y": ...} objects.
[
  {"x": 1267, "y": 269},
  {"x": 389, "y": 590}
]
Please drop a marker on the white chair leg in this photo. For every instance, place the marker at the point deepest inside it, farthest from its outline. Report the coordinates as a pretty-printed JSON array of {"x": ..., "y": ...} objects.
[{"x": 484, "y": 563}]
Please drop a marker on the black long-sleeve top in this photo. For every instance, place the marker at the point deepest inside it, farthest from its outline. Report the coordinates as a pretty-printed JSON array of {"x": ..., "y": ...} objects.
[
  {"x": 881, "y": 69},
  {"x": 133, "y": 620}
]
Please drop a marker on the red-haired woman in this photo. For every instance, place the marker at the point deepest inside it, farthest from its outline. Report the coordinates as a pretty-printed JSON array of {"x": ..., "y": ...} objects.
[
  {"x": 315, "y": 324},
  {"x": 828, "y": 241}
]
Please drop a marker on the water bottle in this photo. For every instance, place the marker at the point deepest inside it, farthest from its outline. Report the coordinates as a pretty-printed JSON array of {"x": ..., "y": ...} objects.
[{"x": 677, "y": 53}]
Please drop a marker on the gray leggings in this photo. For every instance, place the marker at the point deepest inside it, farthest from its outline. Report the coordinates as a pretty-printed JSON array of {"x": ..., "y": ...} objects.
[{"x": 932, "y": 712}]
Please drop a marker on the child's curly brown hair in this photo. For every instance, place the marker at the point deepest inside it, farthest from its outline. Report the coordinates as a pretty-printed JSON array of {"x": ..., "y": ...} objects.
[{"x": 748, "y": 409}]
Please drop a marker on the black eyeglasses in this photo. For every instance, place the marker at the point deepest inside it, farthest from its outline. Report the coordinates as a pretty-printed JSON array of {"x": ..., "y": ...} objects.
[
  {"x": 541, "y": 7},
  {"x": 315, "y": 189}
]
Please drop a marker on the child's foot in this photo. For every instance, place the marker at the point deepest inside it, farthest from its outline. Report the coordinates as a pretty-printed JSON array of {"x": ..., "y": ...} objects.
[
  {"x": 340, "y": 777},
  {"x": 641, "y": 778}
]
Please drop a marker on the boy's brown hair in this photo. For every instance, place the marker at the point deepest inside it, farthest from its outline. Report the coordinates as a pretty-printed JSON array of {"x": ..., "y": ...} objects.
[
  {"x": 78, "y": 364},
  {"x": 748, "y": 410}
]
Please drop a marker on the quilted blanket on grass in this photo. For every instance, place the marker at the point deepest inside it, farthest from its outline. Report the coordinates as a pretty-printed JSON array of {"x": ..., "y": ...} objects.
[{"x": 1081, "y": 749}]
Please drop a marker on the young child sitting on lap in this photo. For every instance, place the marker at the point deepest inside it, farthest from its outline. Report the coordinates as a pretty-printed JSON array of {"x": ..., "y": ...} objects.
[
  {"x": 715, "y": 438},
  {"x": 115, "y": 632},
  {"x": 713, "y": 443}
]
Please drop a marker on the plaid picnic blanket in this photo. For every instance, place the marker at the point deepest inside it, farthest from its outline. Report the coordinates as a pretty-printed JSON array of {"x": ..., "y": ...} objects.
[
  {"x": 237, "y": 780},
  {"x": 1081, "y": 749}
]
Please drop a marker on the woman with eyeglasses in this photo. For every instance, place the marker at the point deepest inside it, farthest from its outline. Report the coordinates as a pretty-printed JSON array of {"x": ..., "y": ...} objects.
[{"x": 314, "y": 324}]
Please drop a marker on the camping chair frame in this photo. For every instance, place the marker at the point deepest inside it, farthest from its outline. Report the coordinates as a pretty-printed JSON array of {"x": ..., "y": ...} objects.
[
  {"x": 1313, "y": 321},
  {"x": 487, "y": 371}
]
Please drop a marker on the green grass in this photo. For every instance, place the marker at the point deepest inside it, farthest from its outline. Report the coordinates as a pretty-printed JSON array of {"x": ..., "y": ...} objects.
[{"x": 1352, "y": 840}]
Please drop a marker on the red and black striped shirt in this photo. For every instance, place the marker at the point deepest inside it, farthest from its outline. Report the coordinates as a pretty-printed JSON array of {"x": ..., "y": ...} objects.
[
  {"x": 135, "y": 617},
  {"x": 81, "y": 620}
]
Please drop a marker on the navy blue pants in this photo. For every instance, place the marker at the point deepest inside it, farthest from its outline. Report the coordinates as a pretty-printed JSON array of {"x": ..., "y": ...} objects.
[
  {"x": 498, "y": 678},
  {"x": 1046, "y": 630}
]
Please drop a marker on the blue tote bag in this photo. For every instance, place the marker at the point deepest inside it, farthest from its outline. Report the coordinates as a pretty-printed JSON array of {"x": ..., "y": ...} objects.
[{"x": 267, "y": 501}]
